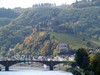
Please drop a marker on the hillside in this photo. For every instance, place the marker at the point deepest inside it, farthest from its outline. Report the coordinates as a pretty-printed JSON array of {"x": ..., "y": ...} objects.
[
  {"x": 37, "y": 43},
  {"x": 79, "y": 27},
  {"x": 47, "y": 43},
  {"x": 6, "y": 15},
  {"x": 66, "y": 20},
  {"x": 75, "y": 41}
]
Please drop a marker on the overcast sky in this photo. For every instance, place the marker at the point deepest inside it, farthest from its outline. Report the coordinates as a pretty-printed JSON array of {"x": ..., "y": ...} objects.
[{"x": 29, "y": 3}]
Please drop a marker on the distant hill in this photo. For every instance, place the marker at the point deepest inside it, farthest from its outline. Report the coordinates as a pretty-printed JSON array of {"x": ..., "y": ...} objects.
[
  {"x": 79, "y": 27},
  {"x": 83, "y": 20}
]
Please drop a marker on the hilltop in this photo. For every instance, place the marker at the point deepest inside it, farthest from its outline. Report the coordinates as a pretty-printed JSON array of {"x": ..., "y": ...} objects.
[{"x": 79, "y": 27}]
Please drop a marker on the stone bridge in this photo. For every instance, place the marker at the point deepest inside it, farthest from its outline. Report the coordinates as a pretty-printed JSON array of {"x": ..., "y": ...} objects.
[{"x": 51, "y": 64}]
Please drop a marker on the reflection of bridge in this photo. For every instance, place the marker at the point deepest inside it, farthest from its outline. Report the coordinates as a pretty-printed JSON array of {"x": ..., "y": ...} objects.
[{"x": 51, "y": 64}]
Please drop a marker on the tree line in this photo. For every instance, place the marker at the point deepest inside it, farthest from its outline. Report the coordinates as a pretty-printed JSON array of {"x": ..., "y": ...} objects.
[
  {"x": 86, "y": 63},
  {"x": 44, "y": 4}
]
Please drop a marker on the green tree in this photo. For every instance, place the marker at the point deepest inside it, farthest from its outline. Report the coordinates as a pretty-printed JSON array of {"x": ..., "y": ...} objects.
[
  {"x": 82, "y": 58},
  {"x": 95, "y": 63}
]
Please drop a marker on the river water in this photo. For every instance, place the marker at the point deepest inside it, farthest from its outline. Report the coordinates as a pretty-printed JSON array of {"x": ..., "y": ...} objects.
[{"x": 32, "y": 71}]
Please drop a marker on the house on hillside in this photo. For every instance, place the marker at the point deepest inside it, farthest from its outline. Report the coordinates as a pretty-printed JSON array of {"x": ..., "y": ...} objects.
[
  {"x": 98, "y": 49},
  {"x": 63, "y": 48}
]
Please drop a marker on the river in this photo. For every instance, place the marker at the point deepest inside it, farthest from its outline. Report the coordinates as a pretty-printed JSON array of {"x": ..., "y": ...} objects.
[{"x": 32, "y": 71}]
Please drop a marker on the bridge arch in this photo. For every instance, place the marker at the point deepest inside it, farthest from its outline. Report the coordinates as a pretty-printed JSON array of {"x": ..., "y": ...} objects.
[{"x": 51, "y": 64}]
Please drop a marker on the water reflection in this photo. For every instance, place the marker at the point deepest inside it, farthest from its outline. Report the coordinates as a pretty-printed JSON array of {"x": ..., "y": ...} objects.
[{"x": 32, "y": 71}]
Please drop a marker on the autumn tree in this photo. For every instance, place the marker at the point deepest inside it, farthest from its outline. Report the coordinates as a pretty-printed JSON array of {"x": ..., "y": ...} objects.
[
  {"x": 45, "y": 48},
  {"x": 56, "y": 51}
]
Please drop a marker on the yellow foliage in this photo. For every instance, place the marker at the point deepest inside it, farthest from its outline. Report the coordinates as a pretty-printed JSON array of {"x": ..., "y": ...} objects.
[
  {"x": 94, "y": 58},
  {"x": 42, "y": 34},
  {"x": 56, "y": 51},
  {"x": 28, "y": 39},
  {"x": 20, "y": 46},
  {"x": 45, "y": 47},
  {"x": 54, "y": 42},
  {"x": 91, "y": 57},
  {"x": 31, "y": 37}
]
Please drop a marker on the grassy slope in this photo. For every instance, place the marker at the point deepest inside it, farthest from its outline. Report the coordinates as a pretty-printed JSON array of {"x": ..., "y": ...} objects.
[{"x": 75, "y": 41}]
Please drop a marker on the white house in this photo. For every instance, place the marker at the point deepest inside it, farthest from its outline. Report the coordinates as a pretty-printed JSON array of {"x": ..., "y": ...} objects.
[{"x": 63, "y": 47}]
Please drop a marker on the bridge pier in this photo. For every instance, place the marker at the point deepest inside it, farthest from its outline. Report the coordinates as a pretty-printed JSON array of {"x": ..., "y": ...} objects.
[
  {"x": 6, "y": 68},
  {"x": 51, "y": 67},
  {"x": 51, "y": 64}
]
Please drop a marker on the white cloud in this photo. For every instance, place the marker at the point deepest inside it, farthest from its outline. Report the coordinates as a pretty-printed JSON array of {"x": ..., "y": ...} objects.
[{"x": 29, "y": 3}]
